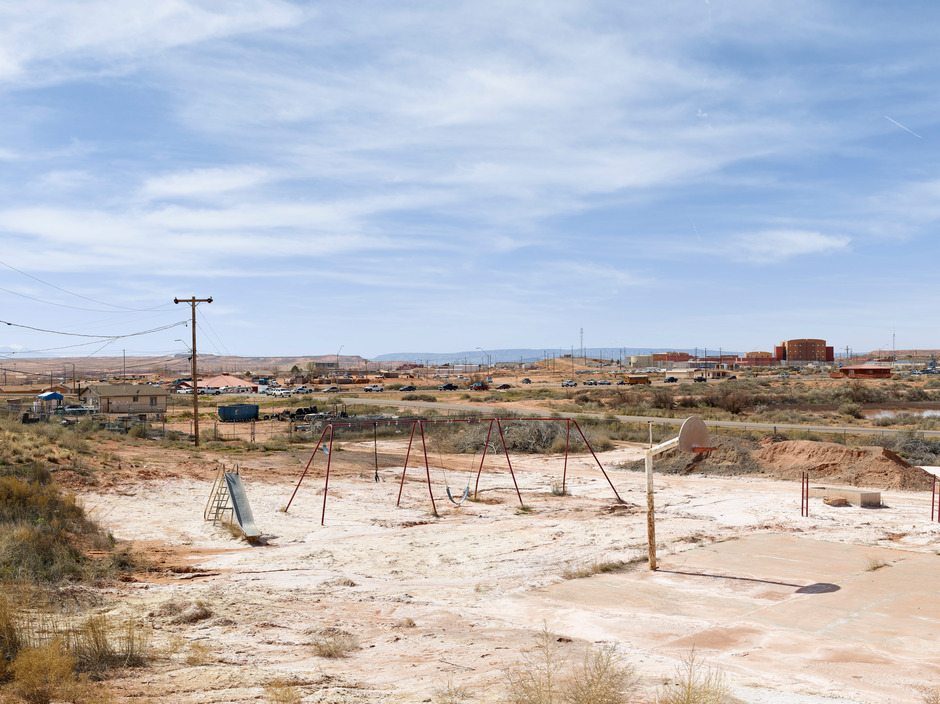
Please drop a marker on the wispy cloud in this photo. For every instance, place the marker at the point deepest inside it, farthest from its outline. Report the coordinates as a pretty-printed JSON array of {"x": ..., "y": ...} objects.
[{"x": 772, "y": 246}]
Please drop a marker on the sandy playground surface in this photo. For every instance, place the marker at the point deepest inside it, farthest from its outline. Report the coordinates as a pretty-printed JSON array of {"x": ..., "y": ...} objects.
[{"x": 838, "y": 607}]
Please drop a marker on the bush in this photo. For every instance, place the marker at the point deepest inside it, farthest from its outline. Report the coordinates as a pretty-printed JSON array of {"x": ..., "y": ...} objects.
[
  {"x": 853, "y": 410},
  {"x": 546, "y": 677},
  {"x": 695, "y": 683},
  {"x": 333, "y": 642}
]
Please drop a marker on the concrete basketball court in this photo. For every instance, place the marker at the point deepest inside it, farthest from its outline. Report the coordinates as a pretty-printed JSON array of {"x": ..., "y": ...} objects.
[{"x": 818, "y": 617}]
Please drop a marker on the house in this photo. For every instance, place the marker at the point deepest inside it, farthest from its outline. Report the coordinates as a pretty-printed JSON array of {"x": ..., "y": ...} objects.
[
  {"x": 126, "y": 398},
  {"x": 226, "y": 381},
  {"x": 866, "y": 371}
]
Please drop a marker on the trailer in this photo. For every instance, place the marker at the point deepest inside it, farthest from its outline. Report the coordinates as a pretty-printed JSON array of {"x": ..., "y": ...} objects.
[{"x": 238, "y": 412}]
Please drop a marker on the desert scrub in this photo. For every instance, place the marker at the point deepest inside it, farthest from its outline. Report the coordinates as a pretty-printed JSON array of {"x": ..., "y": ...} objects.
[
  {"x": 332, "y": 642},
  {"x": 695, "y": 683},
  {"x": 547, "y": 676},
  {"x": 43, "y": 530}
]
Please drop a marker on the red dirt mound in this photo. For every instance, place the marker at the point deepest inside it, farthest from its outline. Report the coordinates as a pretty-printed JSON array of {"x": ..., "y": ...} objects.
[{"x": 873, "y": 467}]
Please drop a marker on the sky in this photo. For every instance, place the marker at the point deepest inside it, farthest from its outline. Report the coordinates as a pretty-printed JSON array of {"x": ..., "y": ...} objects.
[{"x": 369, "y": 177}]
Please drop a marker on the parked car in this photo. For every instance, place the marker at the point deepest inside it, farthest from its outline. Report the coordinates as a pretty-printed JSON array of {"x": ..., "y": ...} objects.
[
  {"x": 479, "y": 386},
  {"x": 503, "y": 387},
  {"x": 784, "y": 375},
  {"x": 670, "y": 380},
  {"x": 205, "y": 391},
  {"x": 700, "y": 379},
  {"x": 447, "y": 387},
  {"x": 374, "y": 387},
  {"x": 569, "y": 382},
  {"x": 282, "y": 393},
  {"x": 184, "y": 390},
  {"x": 603, "y": 382},
  {"x": 589, "y": 382},
  {"x": 526, "y": 381},
  {"x": 621, "y": 382},
  {"x": 408, "y": 388},
  {"x": 730, "y": 377},
  {"x": 303, "y": 390},
  {"x": 331, "y": 390}
]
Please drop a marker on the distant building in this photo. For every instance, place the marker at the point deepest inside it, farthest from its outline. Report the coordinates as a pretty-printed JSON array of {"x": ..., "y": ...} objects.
[
  {"x": 126, "y": 398},
  {"x": 805, "y": 350},
  {"x": 866, "y": 371}
]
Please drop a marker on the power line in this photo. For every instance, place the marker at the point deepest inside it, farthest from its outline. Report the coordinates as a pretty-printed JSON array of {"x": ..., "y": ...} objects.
[
  {"x": 78, "y": 295},
  {"x": 99, "y": 337}
]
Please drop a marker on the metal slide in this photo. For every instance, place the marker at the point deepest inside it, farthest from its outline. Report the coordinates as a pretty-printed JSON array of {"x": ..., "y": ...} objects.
[{"x": 240, "y": 505}]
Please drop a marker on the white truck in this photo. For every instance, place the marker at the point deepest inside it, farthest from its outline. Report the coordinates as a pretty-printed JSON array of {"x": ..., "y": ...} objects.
[{"x": 374, "y": 387}]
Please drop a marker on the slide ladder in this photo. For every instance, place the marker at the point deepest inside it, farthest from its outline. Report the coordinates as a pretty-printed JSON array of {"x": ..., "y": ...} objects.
[{"x": 228, "y": 502}]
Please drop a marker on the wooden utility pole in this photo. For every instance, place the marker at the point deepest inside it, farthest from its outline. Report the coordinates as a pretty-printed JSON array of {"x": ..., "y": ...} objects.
[{"x": 193, "y": 301}]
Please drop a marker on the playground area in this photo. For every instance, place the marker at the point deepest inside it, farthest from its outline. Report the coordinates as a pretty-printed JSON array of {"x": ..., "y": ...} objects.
[{"x": 840, "y": 606}]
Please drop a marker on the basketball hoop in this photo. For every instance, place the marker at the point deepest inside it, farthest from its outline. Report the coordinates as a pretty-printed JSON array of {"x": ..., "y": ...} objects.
[{"x": 694, "y": 438}]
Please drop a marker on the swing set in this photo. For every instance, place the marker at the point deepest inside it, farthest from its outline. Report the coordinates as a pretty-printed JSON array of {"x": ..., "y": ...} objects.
[{"x": 325, "y": 445}]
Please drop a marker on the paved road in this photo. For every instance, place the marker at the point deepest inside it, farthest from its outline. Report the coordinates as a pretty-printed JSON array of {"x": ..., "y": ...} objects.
[{"x": 390, "y": 400}]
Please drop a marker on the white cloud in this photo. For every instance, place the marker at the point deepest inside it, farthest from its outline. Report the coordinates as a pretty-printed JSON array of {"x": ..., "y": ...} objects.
[
  {"x": 200, "y": 182},
  {"x": 101, "y": 30},
  {"x": 772, "y": 246}
]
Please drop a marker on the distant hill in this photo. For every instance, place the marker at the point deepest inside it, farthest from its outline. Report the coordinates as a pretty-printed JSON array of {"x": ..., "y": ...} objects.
[{"x": 527, "y": 355}]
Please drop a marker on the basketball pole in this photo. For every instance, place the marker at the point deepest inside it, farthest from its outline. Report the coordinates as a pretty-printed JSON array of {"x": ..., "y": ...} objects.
[
  {"x": 650, "y": 508},
  {"x": 693, "y": 437}
]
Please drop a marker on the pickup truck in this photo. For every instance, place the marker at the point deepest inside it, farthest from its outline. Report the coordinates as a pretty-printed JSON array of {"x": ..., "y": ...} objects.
[{"x": 374, "y": 387}]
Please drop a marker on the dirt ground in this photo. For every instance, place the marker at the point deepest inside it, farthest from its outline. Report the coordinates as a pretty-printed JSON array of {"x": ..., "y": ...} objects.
[{"x": 837, "y": 607}]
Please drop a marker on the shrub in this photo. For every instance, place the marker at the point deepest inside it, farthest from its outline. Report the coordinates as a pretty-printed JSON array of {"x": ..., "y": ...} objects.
[
  {"x": 333, "y": 642},
  {"x": 99, "y": 644},
  {"x": 853, "y": 410},
  {"x": 545, "y": 676},
  {"x": 602, "y": 678},
  {"x": 41, "y": 674},
  {"x": 695, "y": 683},
  {"x": 279, "y": 692}
]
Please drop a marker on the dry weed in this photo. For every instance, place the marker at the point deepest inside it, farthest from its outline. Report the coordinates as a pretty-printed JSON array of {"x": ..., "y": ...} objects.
[
  {"x": 41, "y": 674},
  {"x": 198, "y": 654},
  {"x": 452, "y": 694},
  {"x": 538, "y": 679},
  {"x": 586, "y": 569},
  {"x": 930, "y": 695},
  {"x": 695, "y": 683},
  {"x": 280, "y": 692},
  {"x": 333, "y": 642},
  {"x": 602, "y": 678}
]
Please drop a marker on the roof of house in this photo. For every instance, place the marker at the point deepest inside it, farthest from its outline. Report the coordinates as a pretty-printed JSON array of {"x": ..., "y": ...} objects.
[
  {"x": 219, "y": 382},
  {"x": 111, "y": 390}
]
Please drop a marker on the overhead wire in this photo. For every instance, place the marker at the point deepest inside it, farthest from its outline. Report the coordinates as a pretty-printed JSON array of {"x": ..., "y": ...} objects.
[
  {"x": 219, "y": 339},
  {"x": 78, "y": 295},
  {"x": 99, "y": 337}
]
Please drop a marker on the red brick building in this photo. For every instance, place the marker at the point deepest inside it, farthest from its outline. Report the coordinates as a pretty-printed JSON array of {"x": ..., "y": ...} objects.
[{"x": 805, "y": 350}]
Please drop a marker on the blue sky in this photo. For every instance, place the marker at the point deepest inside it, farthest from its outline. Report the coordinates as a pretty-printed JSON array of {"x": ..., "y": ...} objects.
[{"x": 426, "y": 176}]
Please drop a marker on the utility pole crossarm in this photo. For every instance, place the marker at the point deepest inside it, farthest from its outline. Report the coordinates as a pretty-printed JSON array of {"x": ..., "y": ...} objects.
[{"x": 193, "y": 301}]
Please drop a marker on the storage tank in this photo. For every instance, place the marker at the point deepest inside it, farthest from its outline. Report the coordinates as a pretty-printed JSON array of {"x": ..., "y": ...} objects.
[{"x": 238, "y": 412}]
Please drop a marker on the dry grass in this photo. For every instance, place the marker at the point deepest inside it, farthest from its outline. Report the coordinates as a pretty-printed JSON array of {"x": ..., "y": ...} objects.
[
  {"x": 546, "y": 676},
  {"x": 695, "y": 683},
  {"x": 281, "y": 692},
  {"x": 47, "y": 673},
  {"x": 586, "y": 569},
  {"x": 602, "y": 678},
  {"x": 197, "y": 654},
  {"x": 333, "y": 642},
  {"x": 100, "y": 643},
  {"x": 930, "y": 695},
  {"x": 876, "y": 563},
  {"x": 451, "y": 694}
]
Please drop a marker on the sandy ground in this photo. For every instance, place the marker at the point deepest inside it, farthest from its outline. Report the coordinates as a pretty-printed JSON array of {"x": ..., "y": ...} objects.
[{"x": 838, "y": 607}]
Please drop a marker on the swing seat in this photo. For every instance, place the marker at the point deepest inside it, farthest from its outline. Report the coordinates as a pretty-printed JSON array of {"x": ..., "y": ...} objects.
[{"x": 466, "y": 493}]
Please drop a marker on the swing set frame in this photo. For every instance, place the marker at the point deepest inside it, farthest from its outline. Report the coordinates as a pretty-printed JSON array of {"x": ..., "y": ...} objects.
[{"x": 417, "y": 427}]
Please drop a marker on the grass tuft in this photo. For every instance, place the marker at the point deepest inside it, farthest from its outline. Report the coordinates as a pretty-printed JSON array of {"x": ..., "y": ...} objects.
[{"x": 333, "y": 642}]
